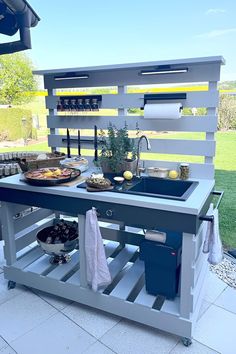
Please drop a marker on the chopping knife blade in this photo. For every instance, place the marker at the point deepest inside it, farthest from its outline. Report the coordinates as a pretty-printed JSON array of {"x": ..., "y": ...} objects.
[{"x": 68, "y": 143}]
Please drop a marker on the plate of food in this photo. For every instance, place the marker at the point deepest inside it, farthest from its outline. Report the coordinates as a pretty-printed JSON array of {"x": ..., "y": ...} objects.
[
  {"x": 77, "y": 163},
  {"x": 51, "y": 176}
]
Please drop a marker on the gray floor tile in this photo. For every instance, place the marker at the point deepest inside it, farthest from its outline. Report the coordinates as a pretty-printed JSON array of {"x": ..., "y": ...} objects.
[
  {"x": 216, "y": 329},
  {"x": 55, "y": 335},
  {"x": 214, "y": 287},
  {"x": 227, "y": 300},
  {"x": 58, "y": 302},
  {"x": 98, "y": 348},
  {"x": 204, "y": 306},
  {"x": 5, "y": 294},
  {"x": 133, "y": 338},
  {"x": 195, "y": 348},
  {"x": 2, "y": 343},
  {"x": 22, "y": 313},
  {"x": 7, "y": 350},
  {"x": 94, "y": 321}
]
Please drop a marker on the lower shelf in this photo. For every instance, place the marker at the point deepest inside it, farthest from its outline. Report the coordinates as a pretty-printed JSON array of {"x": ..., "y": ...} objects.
[{"x": 125, "y": 296}]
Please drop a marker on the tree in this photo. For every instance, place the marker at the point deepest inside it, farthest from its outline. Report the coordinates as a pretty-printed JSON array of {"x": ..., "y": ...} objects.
[
  {"x": 227, "y": 112},
  {"x": 16, "y": 79}
]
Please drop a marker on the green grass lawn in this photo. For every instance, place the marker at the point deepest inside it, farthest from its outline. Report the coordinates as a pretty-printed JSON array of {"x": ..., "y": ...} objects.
[{"x": 225, "y": 164}]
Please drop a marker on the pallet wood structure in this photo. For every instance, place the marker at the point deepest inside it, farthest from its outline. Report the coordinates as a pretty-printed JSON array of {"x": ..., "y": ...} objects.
[{"x": 119, "y": 219}]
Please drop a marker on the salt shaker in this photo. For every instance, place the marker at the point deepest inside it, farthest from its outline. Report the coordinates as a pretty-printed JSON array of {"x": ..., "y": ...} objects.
[{"x": 184, "y": 171}]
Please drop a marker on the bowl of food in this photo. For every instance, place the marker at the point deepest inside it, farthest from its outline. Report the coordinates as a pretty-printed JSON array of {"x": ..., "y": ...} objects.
[
  {"x": 59, "y": 240},
  {"x": 77, "y": 163},
  {"x": 118, "y": 179}
]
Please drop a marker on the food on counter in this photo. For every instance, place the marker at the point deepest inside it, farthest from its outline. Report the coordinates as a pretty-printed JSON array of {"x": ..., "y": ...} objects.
[
  {"x": 128, "y": 175},
  {"x": 49, "y": 173},
  {"x": 76, "y": 162},
  {"x": 173, "y": 174},
  {"x": 98, "y": 182}
]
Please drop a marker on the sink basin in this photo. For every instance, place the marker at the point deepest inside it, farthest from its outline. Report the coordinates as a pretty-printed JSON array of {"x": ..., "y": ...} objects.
[
  {"x": 155, "y": 187},
  {"x": 160, "y": 188}
]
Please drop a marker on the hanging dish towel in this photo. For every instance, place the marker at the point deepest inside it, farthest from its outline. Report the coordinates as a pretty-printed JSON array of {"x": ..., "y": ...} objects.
[
  {"x": 212, "y": 244},
  {"x": 97, "y": 270}
]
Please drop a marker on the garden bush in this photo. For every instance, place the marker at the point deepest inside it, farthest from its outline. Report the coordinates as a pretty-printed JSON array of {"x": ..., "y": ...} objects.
[{"x": 11, "y": 126}]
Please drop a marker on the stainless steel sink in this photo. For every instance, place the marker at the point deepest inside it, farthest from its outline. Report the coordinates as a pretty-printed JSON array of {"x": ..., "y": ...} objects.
[{"x": 161, "y": 188}]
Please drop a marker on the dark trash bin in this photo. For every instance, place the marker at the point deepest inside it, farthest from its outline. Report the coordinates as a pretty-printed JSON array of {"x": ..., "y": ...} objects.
[{"x": 162, "y": 264}]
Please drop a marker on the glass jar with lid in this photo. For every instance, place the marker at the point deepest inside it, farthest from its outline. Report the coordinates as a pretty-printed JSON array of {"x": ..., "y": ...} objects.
[{"x": 184, "y": 171}]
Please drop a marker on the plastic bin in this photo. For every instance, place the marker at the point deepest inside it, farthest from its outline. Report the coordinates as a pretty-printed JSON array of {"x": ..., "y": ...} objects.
[{"x": 162, "y": 264}]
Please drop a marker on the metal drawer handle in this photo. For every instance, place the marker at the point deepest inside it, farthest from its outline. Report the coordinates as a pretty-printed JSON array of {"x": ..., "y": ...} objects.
[{"x": 211, "y": 217}]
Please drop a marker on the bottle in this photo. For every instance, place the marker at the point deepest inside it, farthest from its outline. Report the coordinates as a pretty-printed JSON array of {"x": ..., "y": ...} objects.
[
  {"x": 87, "y": 106},
  {"x": 184, "y": 171},
  {"x": 80, "y": 106},
  {"x": 94, "y": 105}
]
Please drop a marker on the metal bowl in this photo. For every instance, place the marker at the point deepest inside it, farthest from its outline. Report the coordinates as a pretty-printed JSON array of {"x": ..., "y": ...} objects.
[{"x": 59, "y": 251}]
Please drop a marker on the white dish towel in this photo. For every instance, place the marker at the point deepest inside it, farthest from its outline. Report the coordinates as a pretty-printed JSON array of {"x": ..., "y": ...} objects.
[
  {"x": 97, "y": 270},
  {"x": 212, "y": 244}
]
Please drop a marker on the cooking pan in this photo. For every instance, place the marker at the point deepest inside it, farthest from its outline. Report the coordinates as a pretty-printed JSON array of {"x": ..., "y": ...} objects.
[{"x": 51, "y": 181}]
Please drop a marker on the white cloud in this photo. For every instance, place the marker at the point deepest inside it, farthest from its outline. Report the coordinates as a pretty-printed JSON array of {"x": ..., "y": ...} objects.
[
  {"x": 215, "y": 11},
  {"x": 216, "y": 33}
]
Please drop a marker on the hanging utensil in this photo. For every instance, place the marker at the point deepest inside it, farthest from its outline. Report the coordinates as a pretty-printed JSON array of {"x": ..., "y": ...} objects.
[
  {"x": 68, "y": 143},
  {"x": 95, "y": 143},
  {"x": 79, "y": 151}
]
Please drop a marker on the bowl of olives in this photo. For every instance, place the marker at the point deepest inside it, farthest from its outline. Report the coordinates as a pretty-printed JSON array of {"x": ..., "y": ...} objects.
[{"x": 59, "y": 240}]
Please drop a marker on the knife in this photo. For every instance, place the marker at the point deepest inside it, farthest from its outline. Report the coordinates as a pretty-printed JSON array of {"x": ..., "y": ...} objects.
[
  {"x": 95, "y": 143},
  {"x": 79, "y": 152},
  {"x": 68, "y": 143}
]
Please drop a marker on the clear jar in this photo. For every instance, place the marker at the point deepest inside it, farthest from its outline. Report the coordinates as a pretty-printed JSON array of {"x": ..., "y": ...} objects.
[{"x": 184, "y": 171}]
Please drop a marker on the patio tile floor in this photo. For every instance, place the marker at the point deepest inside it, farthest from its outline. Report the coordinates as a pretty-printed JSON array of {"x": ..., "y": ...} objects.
[{"x": 32, "y": 321}]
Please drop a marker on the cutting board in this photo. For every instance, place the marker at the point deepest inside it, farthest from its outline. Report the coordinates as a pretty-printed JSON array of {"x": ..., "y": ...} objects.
[{"x": 92, "y": 189}]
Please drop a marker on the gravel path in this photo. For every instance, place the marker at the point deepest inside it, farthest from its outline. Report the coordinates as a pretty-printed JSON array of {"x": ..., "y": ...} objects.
[{"x": 226, "y": 271}]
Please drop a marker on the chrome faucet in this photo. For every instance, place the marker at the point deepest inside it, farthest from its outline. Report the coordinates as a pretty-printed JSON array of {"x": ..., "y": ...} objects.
[{"x": 138, "y": 152}]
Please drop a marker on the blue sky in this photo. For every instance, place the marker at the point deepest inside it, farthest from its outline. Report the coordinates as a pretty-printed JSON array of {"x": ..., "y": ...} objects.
[{"x": 76, "y": 33}]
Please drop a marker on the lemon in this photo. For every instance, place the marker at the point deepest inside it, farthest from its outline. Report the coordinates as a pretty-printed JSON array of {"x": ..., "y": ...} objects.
[
  {"x": 173, "y": 174},
  {"x": 128, "y": 175}
]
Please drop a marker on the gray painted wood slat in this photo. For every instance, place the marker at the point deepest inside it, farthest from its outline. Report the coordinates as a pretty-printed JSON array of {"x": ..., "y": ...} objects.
[
  {"x": 40, "y": 265},
  {"x": 29, "y": 258},
  {"x": 128, "y": 281},
  {"x": 121, "y": 259},
  {"x": 187, "y": 274},
  {"x": 60, "y": 271},
  {"x": 131, "y": 76},
  {"x": 136, "y": 100},
  {"x": 161, "y": 146},
  {"x": 30, "y": 219},
  {"x": 183, "y": 124},
  {"x": 27, "y": 236},
  {"x": 144, "y": 298},
  {"x": 171, "y": 306},
  {"x": 121, "y": 236}
]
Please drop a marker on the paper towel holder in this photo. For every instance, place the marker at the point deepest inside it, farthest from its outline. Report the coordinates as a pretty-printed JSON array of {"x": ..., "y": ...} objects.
[{"x": 163, "y": 96}]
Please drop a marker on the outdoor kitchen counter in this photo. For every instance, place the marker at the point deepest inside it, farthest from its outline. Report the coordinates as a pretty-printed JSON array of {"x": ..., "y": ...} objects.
[
  {"x": 33, "y": 268},
  {"x": 114, "y": 206}
]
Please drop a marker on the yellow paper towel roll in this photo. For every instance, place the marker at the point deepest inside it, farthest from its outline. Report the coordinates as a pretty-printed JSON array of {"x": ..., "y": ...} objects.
[{"x": 162, "y": 110}]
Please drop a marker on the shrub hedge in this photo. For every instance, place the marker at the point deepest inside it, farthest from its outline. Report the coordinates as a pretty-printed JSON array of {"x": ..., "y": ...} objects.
[{"x": 11, "y": 126}]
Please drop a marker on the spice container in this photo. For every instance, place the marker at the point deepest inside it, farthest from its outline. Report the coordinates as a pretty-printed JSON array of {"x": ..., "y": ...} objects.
[{"x": 184, "y": 171}]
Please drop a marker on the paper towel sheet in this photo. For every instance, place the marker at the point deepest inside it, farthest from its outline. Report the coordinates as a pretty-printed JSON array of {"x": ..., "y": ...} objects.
[{"x": 162, "y": 111}]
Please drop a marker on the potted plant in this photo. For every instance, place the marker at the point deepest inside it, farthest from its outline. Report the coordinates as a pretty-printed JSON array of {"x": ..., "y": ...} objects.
[{"x": 118, "y": 151}]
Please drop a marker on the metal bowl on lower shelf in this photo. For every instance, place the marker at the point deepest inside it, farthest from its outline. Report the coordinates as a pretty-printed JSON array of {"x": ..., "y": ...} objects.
[{"x": 58, "y": 249}]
